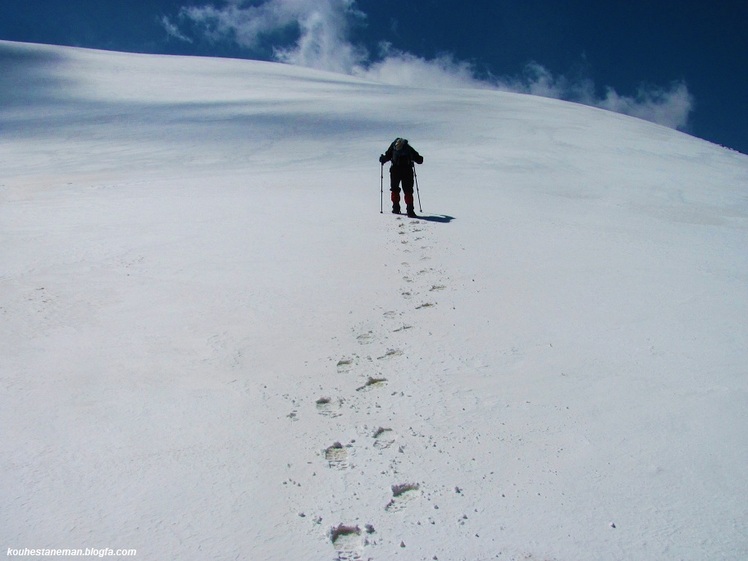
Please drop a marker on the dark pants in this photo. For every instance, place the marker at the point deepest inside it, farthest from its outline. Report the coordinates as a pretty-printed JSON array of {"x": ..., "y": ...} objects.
[{"x": 401, "y": 175}]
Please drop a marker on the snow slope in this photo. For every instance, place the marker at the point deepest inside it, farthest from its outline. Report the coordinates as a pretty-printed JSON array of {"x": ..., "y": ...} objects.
[{"x": 214, "y": 346}]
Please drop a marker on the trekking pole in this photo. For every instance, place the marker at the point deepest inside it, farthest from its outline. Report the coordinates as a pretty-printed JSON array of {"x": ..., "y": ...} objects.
[
  {"x": 415, "y": 176},
  {"x": 381, "y": 189}
]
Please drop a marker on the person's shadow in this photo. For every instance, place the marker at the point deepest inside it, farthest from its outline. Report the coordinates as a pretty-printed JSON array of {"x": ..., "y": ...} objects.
[{"x": 443, "y": 218}]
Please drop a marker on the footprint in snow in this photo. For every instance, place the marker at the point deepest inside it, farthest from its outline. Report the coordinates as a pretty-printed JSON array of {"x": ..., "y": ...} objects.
[
  {"x": 348, "y": 542},
  {"x": 365, "y": 338},
  {"x": 372, "y": 383},
  {"x": 337, "y": 456},
  {"x": 402, "y": 495},
  {"x": 384, "y": 438},
  {"x": 345, "y": 364},
  {"x": 328, "y": 407},
  {"x": 391, "y": 353}
]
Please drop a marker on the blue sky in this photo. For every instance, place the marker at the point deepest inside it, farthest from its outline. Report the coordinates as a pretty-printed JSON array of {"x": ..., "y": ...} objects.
[{"x": 680, "y": 63}]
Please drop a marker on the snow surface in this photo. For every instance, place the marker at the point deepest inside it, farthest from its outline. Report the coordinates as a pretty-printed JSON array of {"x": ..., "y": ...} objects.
[{"x": 214, "y": 346}]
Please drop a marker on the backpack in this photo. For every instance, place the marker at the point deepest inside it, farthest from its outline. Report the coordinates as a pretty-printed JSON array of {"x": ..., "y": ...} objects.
[{"x": 400, "y": 152}]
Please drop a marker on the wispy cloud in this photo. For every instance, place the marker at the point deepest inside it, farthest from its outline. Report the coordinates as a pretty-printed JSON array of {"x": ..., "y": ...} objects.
[
  {"x": 669, "y": 107},
  {"x": 173, "y": 30},
  {"x": 321, "y": 30},
  {"x": 323, "y": 39},
  {"x": 405, "y": 69},
  {"x": 666, "y": 107}
]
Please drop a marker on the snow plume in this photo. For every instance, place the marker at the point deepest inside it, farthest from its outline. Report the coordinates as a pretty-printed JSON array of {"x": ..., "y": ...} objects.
[
  {"x": 323, "y": 40},
  {"x": 538, "y": 80},
  {"x": 321, "y": 32},
  {"x": 406, "y": 69},
  {"x": 670, "y": 108},
  {"x": 322, "y": 27},
  {"x": 173, "y": 31}
]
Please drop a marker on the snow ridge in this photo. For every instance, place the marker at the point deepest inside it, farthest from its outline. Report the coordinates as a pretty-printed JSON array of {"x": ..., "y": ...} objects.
[{"x": 214, "y": 346}]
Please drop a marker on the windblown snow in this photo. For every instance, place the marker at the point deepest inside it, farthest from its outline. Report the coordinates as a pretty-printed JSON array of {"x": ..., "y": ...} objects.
[{"x": 215, "y": 346}]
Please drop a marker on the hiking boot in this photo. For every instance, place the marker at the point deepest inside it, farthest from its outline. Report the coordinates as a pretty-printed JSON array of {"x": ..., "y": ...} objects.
[
  {"x": 395, "y": 208},
  {"x": 412, "y": 212}
]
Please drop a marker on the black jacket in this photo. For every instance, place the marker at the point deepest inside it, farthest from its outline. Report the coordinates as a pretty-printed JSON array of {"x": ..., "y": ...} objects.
[{"x": 406, "y": 156}]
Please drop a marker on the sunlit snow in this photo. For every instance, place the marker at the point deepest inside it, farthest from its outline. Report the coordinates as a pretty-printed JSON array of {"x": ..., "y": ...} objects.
[{"x": 214, "y": 346}]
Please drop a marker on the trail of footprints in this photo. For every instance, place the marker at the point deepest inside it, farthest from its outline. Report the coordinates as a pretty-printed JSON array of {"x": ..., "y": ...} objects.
[{"x": 421, "y": 287}]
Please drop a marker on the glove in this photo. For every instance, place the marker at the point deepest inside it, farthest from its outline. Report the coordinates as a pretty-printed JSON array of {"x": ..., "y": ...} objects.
[{"x": 382, "y": 159}]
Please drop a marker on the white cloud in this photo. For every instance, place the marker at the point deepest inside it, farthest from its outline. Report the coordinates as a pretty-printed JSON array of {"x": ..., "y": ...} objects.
[
  {"x": 665, "y": 107},
  {"x": 670, "y": 108},
  {"x": 322, "y": 28},
  {"x": 173, "y": 31},
  {"x": 323, "y": 41},
  {"x": 538, "y": 80},
  {"x": 243, "y": 25},
  {"x": 405, "y": 69}
]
